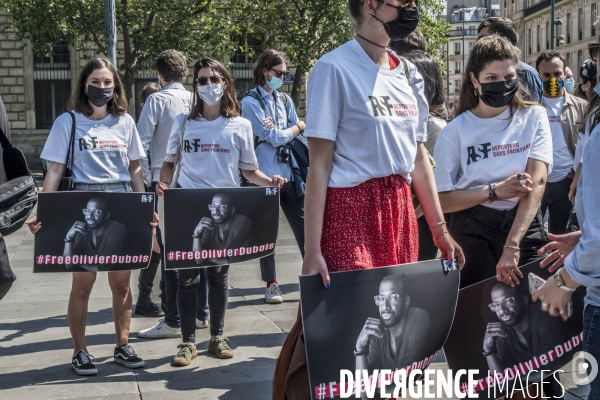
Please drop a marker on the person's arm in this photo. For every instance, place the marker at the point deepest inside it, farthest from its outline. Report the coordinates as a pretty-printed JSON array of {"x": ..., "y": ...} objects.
[
  {"x": 458, "y": 200},
  {"x": 260, "y": 179},
  {"x": 573, "y": 188},
  {"x": 51, "y": 184},
  {"x": 146, "y": 126},
  {"x": 321, "y": 157},
  {"x": 137, "y": 179},
  {"x": 424, "y": 186},
  {"x": 528, "y": 206},
  {"x": 264, "y": 128},
  {"x": 166, "y": 175}
]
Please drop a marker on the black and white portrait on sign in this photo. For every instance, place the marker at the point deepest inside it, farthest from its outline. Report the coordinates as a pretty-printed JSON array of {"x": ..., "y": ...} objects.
[
  {"x": 398, "y": 337},
  {"x": 522, "y": 331},
  {"x": 388, "y": 318},
  {"x": 93, "y": 231},
  {"x": 208, "y": 227},
  {"x": 224, "y": 229},
  {"x": 499, "y": 329}
]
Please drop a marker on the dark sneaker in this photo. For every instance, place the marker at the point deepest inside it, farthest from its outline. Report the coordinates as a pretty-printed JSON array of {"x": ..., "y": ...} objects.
[
  {"x": 125, "y": 355},
  {"x": 148, "y": 308},
  {"x": 185, "y": 355},
  {"x": 220, "y": 347},
  {"x": 82, "y": 364}
]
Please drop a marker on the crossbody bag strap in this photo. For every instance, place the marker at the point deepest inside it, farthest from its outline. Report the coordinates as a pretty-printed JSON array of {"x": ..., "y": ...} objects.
[
  {"x": 406, "y": 71},
  {"x": 71, "y": 150}
]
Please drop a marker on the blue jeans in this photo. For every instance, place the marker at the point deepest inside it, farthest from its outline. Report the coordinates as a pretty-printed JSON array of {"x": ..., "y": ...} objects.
[
  {"x": 170, "y": 280},
  {"x": 591, "y": 343}
]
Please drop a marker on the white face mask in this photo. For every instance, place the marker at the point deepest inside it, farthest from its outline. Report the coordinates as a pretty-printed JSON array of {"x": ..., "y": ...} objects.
[{"x": 211, "y": 94}]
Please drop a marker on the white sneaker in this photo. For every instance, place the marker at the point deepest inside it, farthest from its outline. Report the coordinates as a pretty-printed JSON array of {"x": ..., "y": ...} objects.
[
  {"x": 273, "y": 294},
  {"x": 160, "y": 331},
  {"x": 201, "y": 324}
]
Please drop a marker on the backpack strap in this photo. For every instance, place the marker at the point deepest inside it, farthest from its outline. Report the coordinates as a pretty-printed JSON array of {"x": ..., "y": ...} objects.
[{"x": 258, "y": 98}]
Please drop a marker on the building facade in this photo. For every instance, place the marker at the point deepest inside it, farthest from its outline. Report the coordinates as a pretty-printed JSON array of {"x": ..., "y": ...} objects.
[
  {"x": 35, "y": 90},
  {"x": 464, "y": 19},
  {"x": 577, "y": 27}
]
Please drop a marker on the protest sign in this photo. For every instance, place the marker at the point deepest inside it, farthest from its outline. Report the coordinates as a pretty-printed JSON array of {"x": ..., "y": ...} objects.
[
  {"x": 500, "y": 329},
  {"x": 208, "y": 227},
  {"x": 93, "y": 231},
  {"x": 376, "y": 321}
]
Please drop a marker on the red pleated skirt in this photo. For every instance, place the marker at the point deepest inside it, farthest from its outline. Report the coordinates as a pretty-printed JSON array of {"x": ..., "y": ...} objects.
[{"x": 371, "y": 225}]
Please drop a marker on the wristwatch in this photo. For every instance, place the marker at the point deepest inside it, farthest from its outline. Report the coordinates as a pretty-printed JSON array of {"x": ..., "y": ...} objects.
[{"x": 560, "y": 282}]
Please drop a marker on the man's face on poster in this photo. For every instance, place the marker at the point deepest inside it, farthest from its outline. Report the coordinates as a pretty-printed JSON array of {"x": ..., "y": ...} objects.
[
  {"x": 508, "y": 305},
  {"x": 95, "y": 214},
  {"x": 392, "y": 302},
  {"x": 220, "y": 209}
]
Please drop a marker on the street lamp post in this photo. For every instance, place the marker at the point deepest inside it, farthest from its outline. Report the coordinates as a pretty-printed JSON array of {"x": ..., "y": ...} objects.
[
  {"x": 463, "y": 37},
  {"x": 110, "y": 28},
  {"x": 552, "y": 24}
]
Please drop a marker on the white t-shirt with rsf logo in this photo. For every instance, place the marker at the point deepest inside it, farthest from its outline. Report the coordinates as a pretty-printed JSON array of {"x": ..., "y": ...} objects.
[
  {"x": 212, "y": 151},
  {"x": 374, "y": 117},
  {"x": 472, "y": 152},
  {"x": 103, "y": 149},
  {"x": 563, "y": 160}
]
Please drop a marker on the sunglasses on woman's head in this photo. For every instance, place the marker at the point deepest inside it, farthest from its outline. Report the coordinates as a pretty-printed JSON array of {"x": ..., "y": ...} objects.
[{"x": 203, "y": 80}]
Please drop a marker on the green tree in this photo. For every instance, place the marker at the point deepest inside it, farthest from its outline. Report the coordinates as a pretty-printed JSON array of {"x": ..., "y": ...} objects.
[
  {"x": 309, "y": 29},
  {"x": 146, "y": 27}
]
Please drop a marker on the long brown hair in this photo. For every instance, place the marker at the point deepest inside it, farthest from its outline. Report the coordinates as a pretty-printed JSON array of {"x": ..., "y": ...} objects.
[
  {"x": 268, "y": 59},
  {"x": 486, "y": 50},
  {"x": 78, "y": 102},
  {"x": 229, "y": 104}
]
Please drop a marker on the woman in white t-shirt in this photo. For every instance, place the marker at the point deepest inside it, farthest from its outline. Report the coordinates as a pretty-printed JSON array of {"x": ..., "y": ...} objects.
[
  {"x": 106, "y": 158},
  {"x": 492, "y": 163},
  {"x": 220, "y": 143}
]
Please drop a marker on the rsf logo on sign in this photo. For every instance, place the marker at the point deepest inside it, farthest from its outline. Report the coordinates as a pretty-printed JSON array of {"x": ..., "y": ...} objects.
[
  {"x": 147, "y": 198},
  {"x": 584, "y": 368}
]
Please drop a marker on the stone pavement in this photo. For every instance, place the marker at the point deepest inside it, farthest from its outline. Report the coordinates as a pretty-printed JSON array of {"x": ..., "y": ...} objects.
[{"x": 36, "y": 349}]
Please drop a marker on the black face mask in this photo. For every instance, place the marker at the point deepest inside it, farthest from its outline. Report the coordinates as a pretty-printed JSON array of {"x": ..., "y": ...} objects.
[
  {"x": 498, "y": 94},
  {"x": 403, "y": 25},
  {"x": 99, "y": 96}
]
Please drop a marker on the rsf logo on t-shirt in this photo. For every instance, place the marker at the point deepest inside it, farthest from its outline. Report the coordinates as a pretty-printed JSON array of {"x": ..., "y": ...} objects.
[{"x": 381, "y": 106}]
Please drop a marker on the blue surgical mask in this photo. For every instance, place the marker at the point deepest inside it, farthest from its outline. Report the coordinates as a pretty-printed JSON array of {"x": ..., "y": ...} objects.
[
  {"x": 275, "y": 82},
  {"x": 569, "y": 84},
  {"x": 597, "y": 88}
]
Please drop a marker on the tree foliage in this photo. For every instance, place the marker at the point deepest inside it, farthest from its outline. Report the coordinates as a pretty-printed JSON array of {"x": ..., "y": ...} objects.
[
  {"x": 146, "y": 27},
  {"x": 435, "y": 30}
]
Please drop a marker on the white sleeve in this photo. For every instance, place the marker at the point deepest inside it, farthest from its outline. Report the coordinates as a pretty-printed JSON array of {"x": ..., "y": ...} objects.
[
  {"x": 248, "y": 159},
  {"x": 324, "y": 99},
  {"x": 57, "y": 144},
  {"x": 447, "y": 159},
  {"x": 175, "y": 136},
  {"x": 418, "y": 87},
  {"x": 541, "y": 147},
  {"x": 135, "y": 149}
]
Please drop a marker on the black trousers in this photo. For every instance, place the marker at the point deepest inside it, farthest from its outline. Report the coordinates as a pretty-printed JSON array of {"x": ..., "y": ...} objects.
[
  {"x": 482, "y": 232},
  {"x": 187, "y": 299},
  {"x": 556, "y": 202},
  {"x": 427, "y": 249},
  {"x": 293, "y": 208}
]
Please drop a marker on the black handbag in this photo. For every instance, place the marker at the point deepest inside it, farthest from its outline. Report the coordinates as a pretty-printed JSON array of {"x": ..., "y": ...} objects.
[
  {"x": 7, "y": 276},
  {"x": 66, "y": 182},
  {"x": 18, "y": 195}
]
